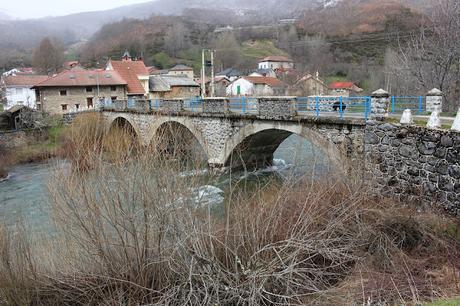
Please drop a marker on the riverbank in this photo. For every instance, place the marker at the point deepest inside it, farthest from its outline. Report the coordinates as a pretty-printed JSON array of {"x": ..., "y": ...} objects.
[{"x": 30, "y": 147}]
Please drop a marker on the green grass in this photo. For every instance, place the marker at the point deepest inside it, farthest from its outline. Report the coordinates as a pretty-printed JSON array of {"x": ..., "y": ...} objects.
[
  {"x": 335, "y": 78},
  {"x": 450, "y": 302},
  {"x": 259, "y": 49}
]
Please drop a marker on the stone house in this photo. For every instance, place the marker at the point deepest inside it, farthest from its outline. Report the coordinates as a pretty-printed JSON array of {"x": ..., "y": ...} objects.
[
  {"x": 17, "y": 89},
  {"x": 73, "y": 90},
  {"x": 256, "y": 86},
  {"x": 344, "y": 89},
  {"x": 276, "y": 62},
  {"x": 135, "y": 73},
  {"x": 172, "y": 87},
  {"x": 309, "y": 85},
  {"x": 181, "y": 70}
]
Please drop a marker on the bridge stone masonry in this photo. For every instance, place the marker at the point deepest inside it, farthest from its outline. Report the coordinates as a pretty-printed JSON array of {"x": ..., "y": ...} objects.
[{"x": 406, "y": 162}]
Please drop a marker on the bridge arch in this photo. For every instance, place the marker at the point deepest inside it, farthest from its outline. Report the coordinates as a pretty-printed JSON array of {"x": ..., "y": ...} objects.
[
  {"x": 126, "y": 121},
  {"x": 255, "y": 143},
  {"x": 183, "y": 122}
]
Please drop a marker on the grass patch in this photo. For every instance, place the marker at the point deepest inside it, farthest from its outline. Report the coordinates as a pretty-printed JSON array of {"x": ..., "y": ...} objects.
[
  {"x": 450, "y": 302},
  {"x": 260, "y": 48}
]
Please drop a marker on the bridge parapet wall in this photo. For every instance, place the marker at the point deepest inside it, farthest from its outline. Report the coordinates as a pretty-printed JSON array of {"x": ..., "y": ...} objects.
[{"x": 410, "y": 162}]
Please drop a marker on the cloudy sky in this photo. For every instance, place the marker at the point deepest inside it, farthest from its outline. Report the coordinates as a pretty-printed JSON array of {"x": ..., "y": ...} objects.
[{"x": 41, "y": 8}]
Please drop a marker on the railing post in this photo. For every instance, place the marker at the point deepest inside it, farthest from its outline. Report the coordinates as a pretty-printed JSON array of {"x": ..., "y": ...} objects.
[
  {"x": 243, "y": 104},
  {"x": 380, "y": 101},
  {"x": 317, "y": 106},
  {"x": 393, "y": 104},
  {"x": 367, "y": 106},
  {"x": 434, "y": 101},
  {"x": 420, "y": 105},
  {"x": 341, "y": 107}
]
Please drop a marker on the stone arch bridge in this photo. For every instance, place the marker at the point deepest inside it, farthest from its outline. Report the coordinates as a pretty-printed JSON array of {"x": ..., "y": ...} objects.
[{"x": 406, "y": 162}]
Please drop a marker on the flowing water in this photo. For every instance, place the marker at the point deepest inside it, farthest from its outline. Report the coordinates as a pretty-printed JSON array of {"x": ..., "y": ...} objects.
[{"x": 24, "y": 196}]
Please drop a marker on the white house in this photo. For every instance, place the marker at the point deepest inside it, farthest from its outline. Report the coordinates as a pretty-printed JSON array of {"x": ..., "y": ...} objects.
[
  {"x": 264, "y": 73},
  {"x": 256, "y": 86},
  {"x": 17, "y": 89},
  {"x": 276, "y": 62}
]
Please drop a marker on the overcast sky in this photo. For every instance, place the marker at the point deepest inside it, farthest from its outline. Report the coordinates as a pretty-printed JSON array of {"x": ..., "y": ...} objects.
[{"x": 41, "y": 8}]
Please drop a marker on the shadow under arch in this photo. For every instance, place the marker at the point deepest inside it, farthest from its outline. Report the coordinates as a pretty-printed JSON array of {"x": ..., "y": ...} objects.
[
  {"x": 120, "y": 129},
  {"x": 254, "y": 145},
  {"x": 178, "y": 139}
]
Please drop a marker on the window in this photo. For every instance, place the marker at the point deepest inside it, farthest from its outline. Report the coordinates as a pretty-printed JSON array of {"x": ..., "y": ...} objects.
[
  {"x": 64, "y": 107},
  {"x": 89, "y": 89},
  {"x": 39, "y": 106},
  {"x": 89, "y": 102},
  {"x": 63, "y": 92},
  {"x": 114, "y": 98},
  {"x": 113, "y": 88},
  {"x": 77, "y": 106}
]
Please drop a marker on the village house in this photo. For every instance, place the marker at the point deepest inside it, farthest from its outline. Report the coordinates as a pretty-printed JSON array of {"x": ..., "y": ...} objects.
[
  {"x": 220, "y": 86},
  {"x": 171, "y": 87},
  {"x": 264, "y": 73},
  {"x": 344, "y": 89},
  {"x": 231, "y": 74},
  {"x": 134, "y": 72},
  {"x": 72, "y": 90},
  {"x": 17, "y": 89},
  {"x": 309, "y": 85},
  {"x": 276, "y": 62},
  {"x": 256, "y": 86},
  {"x": 181, "y": 70}
]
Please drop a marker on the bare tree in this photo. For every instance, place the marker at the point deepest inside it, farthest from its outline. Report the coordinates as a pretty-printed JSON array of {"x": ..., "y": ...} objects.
[
  {"x": 176, "y": 38},
  {"x": 228, "y": 50},
  {"x": 49, "y": 56},
  {"x": 431, "y": 57}
]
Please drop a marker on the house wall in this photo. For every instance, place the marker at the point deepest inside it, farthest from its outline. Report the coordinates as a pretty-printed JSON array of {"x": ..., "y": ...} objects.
[
  {"x": 177, "y": 92},
  {"x": 340, "y": 92},
  {"x": 309, "y": 87},
  {"x": 275, "y": 65},
  {"x": 246, "y": 88},
  {"x": 20, "y": 95},
  {"x": 52, "y": 102},
  {"x": 188, "y": 73}
]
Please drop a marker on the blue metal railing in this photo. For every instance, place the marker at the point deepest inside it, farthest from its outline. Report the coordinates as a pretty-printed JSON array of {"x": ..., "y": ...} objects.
[
  {"x": 131, "y": 103},
  {"x": 350, "y": 106},
  {"x": 243, "y": 105},
  {"x": 154, "y": 105},
  {"x": 400, "y": 103},
  {"x": 194, "y": 104}
]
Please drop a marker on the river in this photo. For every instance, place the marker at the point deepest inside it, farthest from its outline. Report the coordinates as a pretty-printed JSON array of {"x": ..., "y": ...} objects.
[{"x": 24, "y": 195}]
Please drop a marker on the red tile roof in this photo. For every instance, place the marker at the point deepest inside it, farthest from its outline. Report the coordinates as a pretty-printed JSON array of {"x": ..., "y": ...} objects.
[
  {"x": 273, "y": 82},
  {"x": 276, "y": 58},
  {"x": 83, "y": 78},
  {"x": 130, "y": 71},
  {"x": 24, "y": 79},
  {"x": 341, "y": 85}
]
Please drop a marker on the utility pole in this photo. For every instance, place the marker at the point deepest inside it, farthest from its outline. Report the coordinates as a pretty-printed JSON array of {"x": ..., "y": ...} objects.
[
  {"x": 213, "y": 90},
  {"x": 203, "y": 75}
]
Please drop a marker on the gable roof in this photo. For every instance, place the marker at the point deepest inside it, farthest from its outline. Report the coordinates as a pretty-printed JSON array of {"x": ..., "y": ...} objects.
[
  {"x": 273, "y": 82},
  {"x": 276, "y": 58},
  {"x": 308, "y": 76},
  {"x": 181, "y": 67},
  {"x": 80, "y": 78},
  {"x": 341, "y": 85},
  {"x": 230, "y": 72},
  {"x": 166, "y": 82},
  {"x": 24, "y": 80},
  {"x": 130, "y": 71}
]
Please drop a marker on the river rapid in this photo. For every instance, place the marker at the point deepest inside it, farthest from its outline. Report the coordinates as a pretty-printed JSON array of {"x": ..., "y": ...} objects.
[{"x": 24, "y": 196}]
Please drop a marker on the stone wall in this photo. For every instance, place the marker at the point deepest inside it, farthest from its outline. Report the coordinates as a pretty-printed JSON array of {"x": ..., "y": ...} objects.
[
  {"x": 52, "y": 102},
  {"x": 14, "y": 139},
  {"x": 415, "y": 163}
]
